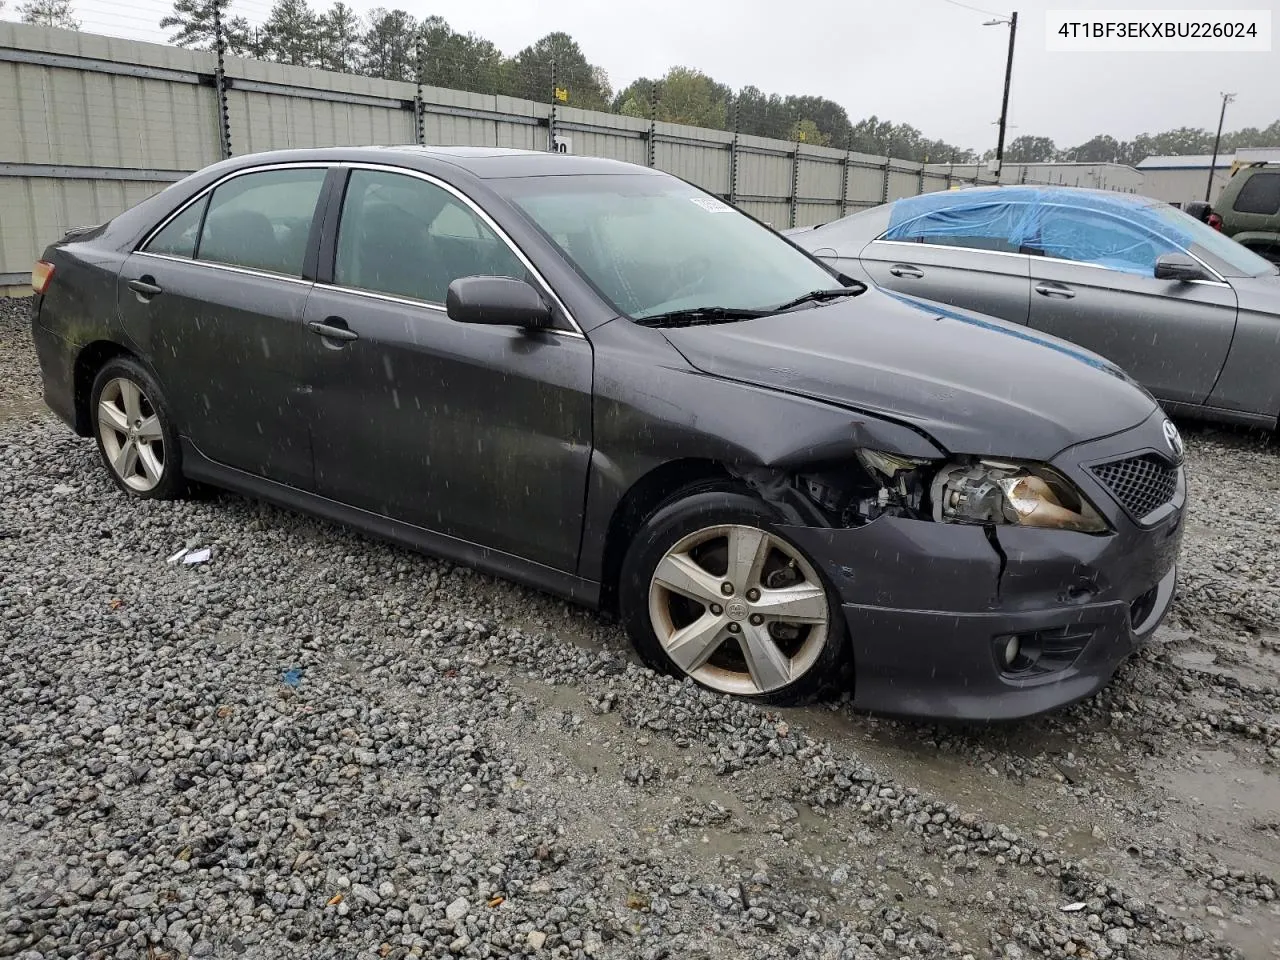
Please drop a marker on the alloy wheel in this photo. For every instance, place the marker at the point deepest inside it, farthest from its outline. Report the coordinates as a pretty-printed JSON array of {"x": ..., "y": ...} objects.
[
  {"x": 738, "y": 609},
  {"x": 131, "y": 434}
]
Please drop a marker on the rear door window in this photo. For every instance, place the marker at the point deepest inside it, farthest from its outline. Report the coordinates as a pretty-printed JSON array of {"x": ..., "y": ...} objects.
[
  {"x": 995, "y": 226},
  {"x": 407, "y": 237},
  {"x": 1260, "y": 194},
  {"x": 178, "y": 236},
  {"x": 262, "y": 221}
]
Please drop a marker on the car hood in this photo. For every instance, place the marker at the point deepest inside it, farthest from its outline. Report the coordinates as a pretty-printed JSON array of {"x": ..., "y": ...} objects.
[{"x": 975, "y": 384}]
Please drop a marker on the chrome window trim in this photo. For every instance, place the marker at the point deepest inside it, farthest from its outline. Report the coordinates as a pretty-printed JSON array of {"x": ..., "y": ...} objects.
[
  {"x": 230, "y": 267},
  {"x": 1220, "y": 282},
  {"x": 484, "y": 217},
  {"x": 425, "y": 305},
  {"x": 951, "y": 246},
  {"x": 325, "y": 165}
]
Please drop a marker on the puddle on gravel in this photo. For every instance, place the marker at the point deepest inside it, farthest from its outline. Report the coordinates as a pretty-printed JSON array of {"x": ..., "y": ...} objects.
[{"x": 1258, "y": 667}]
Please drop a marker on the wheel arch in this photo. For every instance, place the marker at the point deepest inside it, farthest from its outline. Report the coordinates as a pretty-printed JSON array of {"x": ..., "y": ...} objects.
[
  {"x": 93, "y": 356},
  {"x": 650, "y": 492}
]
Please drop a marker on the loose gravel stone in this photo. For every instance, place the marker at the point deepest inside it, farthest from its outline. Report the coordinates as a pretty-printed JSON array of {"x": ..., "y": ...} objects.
[{"x": 464, "y": 767}]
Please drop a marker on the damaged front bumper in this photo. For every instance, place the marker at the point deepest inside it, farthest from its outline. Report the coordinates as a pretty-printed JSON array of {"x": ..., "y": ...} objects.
[{"x": 931, "y": 607}]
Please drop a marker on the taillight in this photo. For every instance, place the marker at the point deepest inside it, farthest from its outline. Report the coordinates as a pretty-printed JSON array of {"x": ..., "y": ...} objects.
[
  {"x": 41, "y": 274},
  {"x": 1215, "y": 221}
]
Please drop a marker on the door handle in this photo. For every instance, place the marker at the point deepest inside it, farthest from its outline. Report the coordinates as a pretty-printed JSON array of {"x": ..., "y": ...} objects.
[
  {"x": 145, "y": 288},
  {"x": 332, "y": 328},
  {"x": 1056, "y": 290},
  {"x": 906, "y": 271}
]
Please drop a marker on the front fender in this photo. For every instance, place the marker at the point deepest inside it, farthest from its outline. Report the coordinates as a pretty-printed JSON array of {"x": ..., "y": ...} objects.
[{"x": 652, "y": 408}]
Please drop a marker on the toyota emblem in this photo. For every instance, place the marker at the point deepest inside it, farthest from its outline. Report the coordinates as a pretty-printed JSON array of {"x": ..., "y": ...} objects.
[{"x": 1172, "y": 438}]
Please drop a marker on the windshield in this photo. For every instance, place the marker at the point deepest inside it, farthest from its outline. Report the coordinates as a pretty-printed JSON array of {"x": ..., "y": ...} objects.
[
  {"x": 653, "y": 244},
  {"x": 1241, "y": 259}
]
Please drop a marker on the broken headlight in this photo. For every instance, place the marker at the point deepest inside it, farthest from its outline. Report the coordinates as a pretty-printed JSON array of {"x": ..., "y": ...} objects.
[{"x": 1030, "y": 495}]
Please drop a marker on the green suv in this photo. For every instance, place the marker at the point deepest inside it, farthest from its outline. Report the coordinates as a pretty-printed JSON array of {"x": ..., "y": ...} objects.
[{"x": 1249, "y": 209}]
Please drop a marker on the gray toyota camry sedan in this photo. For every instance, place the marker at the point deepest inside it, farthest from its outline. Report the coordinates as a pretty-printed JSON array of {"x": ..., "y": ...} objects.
[{"x": 598, "y": 380}]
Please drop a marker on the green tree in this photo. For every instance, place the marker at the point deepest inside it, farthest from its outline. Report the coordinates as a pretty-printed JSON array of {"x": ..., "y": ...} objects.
[
  {"x": 291, "y": 34},
  {"x": 761, "y": 114},
  {"x": 829, "y": 117},
  {"x": 1099, "y": 149},
  {"x": 1030, "y": 150},
  {"x": 461, "y": 61},
  {"x": 193, "y": 24},
  {"x": 389, "y": 45},
  {"x": 807, "y": 132},
  {"x": 690, "y": 96},
  {"x": 636, "y": 99},
  {"x": 585, "y": 85},
  {"x": 1252, "y": 137},
  {"x": 339, "y": 36},
  {"x": 50, "y": 13},
  {"x": 684, "y": 95}
]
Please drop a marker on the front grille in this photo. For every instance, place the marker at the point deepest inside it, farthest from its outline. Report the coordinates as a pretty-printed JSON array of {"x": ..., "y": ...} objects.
[{"x": 1141, "y": 484}]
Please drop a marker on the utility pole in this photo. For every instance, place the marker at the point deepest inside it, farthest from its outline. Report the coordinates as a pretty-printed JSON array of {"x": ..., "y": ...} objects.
[
  {"x": 1008, "y": 77},
  {"x": 1217, "y": 142}
]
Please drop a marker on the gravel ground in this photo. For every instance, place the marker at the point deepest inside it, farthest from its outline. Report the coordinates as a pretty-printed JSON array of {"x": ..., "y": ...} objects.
[{"x": 319, "y": 745}]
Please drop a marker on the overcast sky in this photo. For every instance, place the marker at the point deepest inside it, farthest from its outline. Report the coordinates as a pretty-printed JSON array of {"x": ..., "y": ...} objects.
[{"x": 929, "y": 63}]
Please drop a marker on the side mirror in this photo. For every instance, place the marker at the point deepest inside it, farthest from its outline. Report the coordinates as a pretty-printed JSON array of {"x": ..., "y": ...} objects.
[
  {"x": 502, "y": 301},
  {"x": 1180, "y": 267}
]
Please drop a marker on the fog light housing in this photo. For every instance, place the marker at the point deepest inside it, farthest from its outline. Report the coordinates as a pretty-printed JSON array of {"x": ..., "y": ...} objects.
[{"x": 1012, "y": 647}]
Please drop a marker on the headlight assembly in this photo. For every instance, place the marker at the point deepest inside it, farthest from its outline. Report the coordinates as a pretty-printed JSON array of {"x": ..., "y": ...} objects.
[{"x": 1029, "y": 495}]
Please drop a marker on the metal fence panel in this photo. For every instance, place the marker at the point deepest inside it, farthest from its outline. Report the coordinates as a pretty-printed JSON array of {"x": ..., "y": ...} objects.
[
  {"x": 775, "y": 213},
  {"x": 820, "y": 179},
  {"x": 36, "y": 211},
  {"x": 89, "y": 125},
  {"x": 810, "y": 214},
  {"x": 904, "y": 180}
]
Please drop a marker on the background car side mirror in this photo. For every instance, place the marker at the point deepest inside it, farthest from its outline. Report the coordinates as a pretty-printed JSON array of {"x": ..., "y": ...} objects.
[
  {"x": 503, "y": 301},
  {"x": 1180, "y": 267}
]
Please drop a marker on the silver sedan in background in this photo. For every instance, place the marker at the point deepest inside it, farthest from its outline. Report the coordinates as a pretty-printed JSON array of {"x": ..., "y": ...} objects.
[{"x": 1187, "y": 312}]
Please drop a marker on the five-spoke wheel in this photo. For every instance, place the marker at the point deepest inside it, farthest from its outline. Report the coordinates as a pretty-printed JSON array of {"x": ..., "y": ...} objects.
[
  {"x": 135, "y": 437},
  {"x": 728, "y": 601}
]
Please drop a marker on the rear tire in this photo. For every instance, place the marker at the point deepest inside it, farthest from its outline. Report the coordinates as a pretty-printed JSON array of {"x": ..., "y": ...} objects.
[
  {"x": 711, "y": 590},
  {"x": 135, "y": 433}
]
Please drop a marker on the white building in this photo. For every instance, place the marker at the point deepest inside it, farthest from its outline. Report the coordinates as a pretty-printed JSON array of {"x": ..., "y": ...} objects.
[
  {"x": 1179, "y": 179},
  {"x": 1095, "y": 176}
]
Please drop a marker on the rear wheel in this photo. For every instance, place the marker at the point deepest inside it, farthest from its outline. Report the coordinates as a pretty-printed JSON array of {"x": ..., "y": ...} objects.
[
  {"x": 135, "y": 435},
  {"x": 710, "y": 590}
]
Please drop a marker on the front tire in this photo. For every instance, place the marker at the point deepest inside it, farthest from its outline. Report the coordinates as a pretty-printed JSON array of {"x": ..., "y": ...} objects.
[
  {"x": 136, "y": 437},
  {"x": 712, "y": 591}
]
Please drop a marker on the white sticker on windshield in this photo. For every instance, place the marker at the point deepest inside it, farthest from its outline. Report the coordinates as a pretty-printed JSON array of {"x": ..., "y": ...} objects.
[{"x": 712, "y": 205}]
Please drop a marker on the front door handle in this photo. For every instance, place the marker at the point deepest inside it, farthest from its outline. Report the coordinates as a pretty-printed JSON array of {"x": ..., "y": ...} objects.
[
  {"x": 1055, "y": 290},
  {"x": 145, "y": 288},
  {"x": 906, "y": 271},
  {"x": 332, "y": 328}
]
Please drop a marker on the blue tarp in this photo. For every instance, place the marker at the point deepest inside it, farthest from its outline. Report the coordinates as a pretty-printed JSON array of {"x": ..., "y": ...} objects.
[{"x": 1108, "y": 229}]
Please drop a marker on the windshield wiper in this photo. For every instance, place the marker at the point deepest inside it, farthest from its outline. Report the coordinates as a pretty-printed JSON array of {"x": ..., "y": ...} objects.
[
  {"x": 817, "y": 296},
  {"x": 698, "y": 316}
]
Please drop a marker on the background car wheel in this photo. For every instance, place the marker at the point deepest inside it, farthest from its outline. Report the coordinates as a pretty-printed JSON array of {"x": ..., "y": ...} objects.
[
  {"x": 711, "y": 591},
  {"x": 135, "y": 434}
]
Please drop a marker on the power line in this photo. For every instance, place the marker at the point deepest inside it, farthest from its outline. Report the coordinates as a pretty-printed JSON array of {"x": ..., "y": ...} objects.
[{"x": 988, "y": 13}]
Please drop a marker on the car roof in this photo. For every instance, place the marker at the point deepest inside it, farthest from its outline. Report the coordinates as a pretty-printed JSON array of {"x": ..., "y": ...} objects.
[
  {"x": 1028, "y": 193},
  {"x": 485, "y": 163}
]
